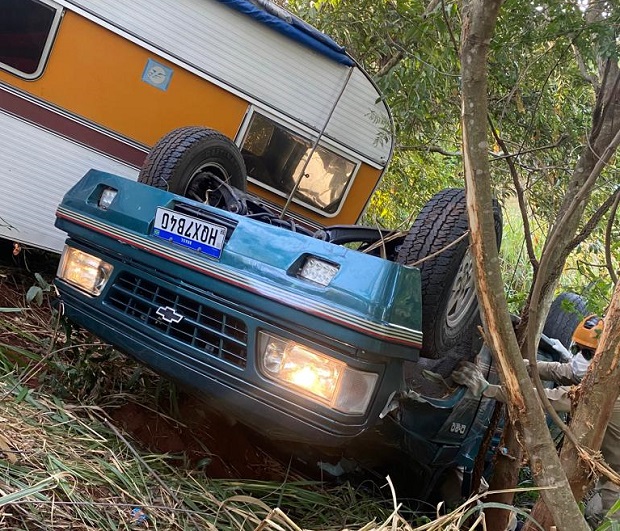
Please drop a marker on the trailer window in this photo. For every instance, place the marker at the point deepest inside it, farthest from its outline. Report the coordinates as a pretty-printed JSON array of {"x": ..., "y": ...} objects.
[
  {"x": 27, "y": 29},
  {"x": 275, "y": 156}
]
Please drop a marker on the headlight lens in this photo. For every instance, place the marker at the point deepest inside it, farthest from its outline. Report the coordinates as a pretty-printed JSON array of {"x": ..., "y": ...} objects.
[
  {"x": 84, "y": 271},
  {"x": 318, "y": 271},
  {"x": 320, "y": 377}
]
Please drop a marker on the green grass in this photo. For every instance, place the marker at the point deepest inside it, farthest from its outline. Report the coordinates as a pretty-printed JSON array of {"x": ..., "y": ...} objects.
[{"x": 65, "y": 464}]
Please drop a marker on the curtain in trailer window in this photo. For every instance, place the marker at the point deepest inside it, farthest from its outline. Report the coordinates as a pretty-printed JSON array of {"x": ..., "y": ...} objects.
[{"x": 25, "y": 26}]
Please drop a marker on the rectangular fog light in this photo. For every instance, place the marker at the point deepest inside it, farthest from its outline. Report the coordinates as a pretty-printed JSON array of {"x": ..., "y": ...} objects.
[
  {"x": 317, "y": 270},
  {"x": 106, "y": 198},
  {"x": 84, "y": 270}
]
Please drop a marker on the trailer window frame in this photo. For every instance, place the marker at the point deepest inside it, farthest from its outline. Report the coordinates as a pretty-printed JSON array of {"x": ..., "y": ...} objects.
[
  {"x": 41, "y": 47},
  {"x": 308, "y": 137}
]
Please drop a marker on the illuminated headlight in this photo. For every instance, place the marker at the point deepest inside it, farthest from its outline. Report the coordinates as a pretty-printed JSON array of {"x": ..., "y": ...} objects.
[
  {"x": 106, "y": 198},
  {"x": 83, "y": 270},
  {"x": 318, "y": 271},
  {"x": 319, "y": 377}
]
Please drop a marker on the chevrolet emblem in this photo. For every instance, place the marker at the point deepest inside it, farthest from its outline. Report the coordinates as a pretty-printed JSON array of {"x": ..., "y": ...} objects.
[{"x": 168, "y": 315}]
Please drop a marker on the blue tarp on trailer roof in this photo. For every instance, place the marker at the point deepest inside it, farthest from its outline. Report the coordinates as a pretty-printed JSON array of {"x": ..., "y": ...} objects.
[{"x": 291, "y": 26}]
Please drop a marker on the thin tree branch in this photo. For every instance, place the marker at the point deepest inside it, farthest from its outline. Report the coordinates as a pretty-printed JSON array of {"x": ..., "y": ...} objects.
[
  {"x": 531, "y": 150},
  {"x": 599, "y": 105},
  {"x": 391, "y": 63},
  {"x": 553, "y": 414},
  {"x": 587, "y": 185},
  {"x": 431, "y": 149},
  {"x": 594, "y": 220},
  {"x": 520, "y": 196},
  {"x": 430, "y": 8},
  {"x": 492, "y": 156},
  {"x": 583, "y": 70},
  {"x": 407, "y": 53},
  {"x": 448, "y": 25},
  {"x": 436, "y": 253}
]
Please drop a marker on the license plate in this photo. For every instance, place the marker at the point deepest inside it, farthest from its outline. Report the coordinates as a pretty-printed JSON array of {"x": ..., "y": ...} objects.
[{"x": 190, "y": 232}]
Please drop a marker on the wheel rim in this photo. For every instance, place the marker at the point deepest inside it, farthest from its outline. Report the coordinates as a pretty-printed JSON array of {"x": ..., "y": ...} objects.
[
  {"x": 200, "y": 190},
  {"x": 462, "y": 294}
]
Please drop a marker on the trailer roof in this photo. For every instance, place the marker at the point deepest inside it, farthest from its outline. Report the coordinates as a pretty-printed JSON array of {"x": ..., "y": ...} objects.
[{"x": 280, "y": 20}]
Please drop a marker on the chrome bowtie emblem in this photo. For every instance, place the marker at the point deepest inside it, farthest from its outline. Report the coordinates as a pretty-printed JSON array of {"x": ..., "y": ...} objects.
[{"x": 168, "y": 315}]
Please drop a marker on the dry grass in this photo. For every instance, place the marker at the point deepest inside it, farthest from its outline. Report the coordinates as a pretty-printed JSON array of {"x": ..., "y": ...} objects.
[{"x": 64, "y": 464}]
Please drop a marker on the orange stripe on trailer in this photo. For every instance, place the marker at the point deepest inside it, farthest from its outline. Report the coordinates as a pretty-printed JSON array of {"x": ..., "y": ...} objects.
[{"x": 97, "y": 75}]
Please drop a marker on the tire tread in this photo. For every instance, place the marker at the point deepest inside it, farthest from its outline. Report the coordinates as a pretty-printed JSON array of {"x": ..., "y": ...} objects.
[{"x": 165, "y": 157}]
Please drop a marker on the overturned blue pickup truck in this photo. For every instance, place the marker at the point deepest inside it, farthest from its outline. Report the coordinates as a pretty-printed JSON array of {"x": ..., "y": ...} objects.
[
  {"x": 293, "y": 331},
  {"x": 234, "y": 265}
]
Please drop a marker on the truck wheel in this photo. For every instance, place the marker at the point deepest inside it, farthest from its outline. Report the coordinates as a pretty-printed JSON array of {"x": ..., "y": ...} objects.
[
  {"x": 450, "y": 315},
  {"x": 566, "y": 312},
  {"x": 185, "y": 160}
]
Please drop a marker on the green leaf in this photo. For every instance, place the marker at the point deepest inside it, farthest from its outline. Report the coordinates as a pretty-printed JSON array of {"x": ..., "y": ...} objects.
[
  {"x": 35, "y": 294},
  {"x": 29, "y": 491},
  {"x": 42, "y": 282},
  {"x": 23, "y": 393}
]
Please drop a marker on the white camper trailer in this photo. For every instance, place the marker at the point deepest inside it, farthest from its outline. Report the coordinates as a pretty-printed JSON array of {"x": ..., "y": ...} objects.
[{"x": 94, "y": 83}]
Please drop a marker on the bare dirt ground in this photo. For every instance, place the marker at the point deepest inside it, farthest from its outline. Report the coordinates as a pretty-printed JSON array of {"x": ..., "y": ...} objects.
[{"x": 201, "y": 438}]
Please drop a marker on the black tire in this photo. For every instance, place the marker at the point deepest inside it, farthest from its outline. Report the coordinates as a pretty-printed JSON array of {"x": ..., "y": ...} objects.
[
  {"x": 182, "y": 161},
  {"x": 566, "y": 312},
  {"x": 450, "y": 314}
]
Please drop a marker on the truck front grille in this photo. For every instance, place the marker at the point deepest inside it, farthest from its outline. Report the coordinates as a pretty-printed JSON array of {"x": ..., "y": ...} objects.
[{"x": 211, "y": 331}]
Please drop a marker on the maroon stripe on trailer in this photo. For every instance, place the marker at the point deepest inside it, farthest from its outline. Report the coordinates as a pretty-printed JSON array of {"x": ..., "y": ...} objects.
[{"x": 81, "y": 133}]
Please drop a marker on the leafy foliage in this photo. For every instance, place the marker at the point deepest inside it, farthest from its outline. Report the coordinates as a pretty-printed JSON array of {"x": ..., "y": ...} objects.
[
  {"x": 542, "y": 70},
  {"x": 35, "y": 292}
]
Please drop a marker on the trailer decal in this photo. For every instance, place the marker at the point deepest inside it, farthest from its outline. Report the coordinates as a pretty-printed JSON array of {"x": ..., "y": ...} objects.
[{"x": 157, "y": 75}]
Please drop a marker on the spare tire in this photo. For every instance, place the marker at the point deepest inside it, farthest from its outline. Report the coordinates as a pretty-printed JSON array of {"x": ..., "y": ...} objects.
[
  {"x": 186, "y": 160},
  {"x": 566, "y": 312},
  {"x": 450, "y": 313}
]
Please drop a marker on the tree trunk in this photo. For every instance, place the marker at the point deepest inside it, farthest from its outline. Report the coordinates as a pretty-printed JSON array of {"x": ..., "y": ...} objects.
[
  {"x": 506, "y": 466},
  {"x": 602, "y": 144},
  {"x": 525, "y": 412},
  {"x": 598, "y": 392}
]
